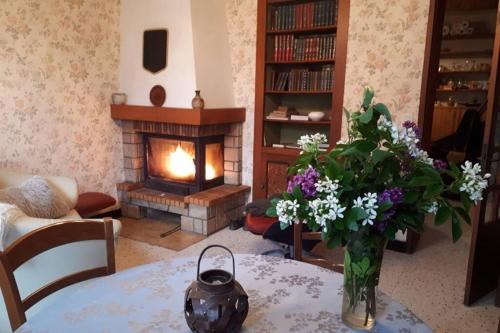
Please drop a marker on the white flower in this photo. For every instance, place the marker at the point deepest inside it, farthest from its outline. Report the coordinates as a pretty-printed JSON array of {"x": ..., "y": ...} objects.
[
  {"x": 369, "y": 204},
  {"x": 472, "y": 183},
  {"x": 386, "y": 125},
  {"x": 326, "y": 211},
  {"x": 327, "y": 186},
  {"x": 310, "y": 143},
  {"x": 432, "y": 208},
  {"x": 287, "y": 211}
]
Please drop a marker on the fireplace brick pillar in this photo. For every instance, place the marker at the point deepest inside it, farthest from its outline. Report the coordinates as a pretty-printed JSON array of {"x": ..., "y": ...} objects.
[
  {"x": 133, "y": 153},
  {"x": 233, "y": 143}
]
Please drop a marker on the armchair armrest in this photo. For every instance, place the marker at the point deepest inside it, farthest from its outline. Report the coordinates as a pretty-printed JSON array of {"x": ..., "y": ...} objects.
[{"x": 26, "y": 224}]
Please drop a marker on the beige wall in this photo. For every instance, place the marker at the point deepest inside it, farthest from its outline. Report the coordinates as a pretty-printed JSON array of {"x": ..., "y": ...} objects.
[
  {"x": 58, "y": 68},
  {"x": 386, "y": 47}
]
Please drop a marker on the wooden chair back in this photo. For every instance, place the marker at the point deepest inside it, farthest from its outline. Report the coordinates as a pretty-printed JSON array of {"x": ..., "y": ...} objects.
[
  {"x": 39, "y": 241},
  {"x": 298, "y": 237}
]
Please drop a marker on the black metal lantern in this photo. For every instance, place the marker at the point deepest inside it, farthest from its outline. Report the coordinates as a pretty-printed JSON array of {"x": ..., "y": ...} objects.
[{"x": 215, "y": 302}]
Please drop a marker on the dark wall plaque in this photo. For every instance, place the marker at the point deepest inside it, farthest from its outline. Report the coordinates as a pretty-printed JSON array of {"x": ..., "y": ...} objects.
[{"x": 154, "y": 54}]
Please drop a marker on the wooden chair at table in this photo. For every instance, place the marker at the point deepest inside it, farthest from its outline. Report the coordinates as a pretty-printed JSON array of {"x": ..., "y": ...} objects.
[
  {"x": 298, "y": 237},
  {"x": 39, "y": 241}
]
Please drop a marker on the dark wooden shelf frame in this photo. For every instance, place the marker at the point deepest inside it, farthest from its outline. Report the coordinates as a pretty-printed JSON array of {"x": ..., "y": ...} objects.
[
  {"x": 472, "y": 54},
  {"x": 472, "y": 36}
]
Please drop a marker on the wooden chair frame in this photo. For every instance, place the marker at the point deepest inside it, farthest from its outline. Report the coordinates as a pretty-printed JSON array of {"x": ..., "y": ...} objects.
[
  {"x": 39, "y": 241},
  {"x": 298, "y": 237}
]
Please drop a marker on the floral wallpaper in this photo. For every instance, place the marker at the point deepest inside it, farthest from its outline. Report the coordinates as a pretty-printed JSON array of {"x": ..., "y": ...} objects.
[
  {"x": 242, "y": 27},
  {"x": 385, "y": 50},
  {"x": 58, "y": 68}
]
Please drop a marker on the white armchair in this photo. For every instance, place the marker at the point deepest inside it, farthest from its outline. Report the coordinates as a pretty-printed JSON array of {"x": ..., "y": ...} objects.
[{"x": 54, "y": 263}]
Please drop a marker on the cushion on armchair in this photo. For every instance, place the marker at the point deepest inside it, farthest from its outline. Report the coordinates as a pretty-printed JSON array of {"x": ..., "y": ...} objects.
[{"x": 36, "y": 197}]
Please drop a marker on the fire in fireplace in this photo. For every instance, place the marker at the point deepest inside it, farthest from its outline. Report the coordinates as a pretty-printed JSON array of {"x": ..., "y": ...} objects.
[{"x": 183, "y": 165}]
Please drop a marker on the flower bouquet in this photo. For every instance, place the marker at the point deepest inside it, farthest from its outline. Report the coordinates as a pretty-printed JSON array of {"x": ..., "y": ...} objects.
[{"x": 360, "y": 194}]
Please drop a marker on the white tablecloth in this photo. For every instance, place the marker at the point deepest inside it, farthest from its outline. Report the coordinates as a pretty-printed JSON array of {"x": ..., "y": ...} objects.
[{"x": 284, "y": 296}]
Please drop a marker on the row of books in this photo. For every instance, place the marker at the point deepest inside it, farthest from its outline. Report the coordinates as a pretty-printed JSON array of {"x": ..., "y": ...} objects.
[
  {"x": 317, "y": 47},
  {"x": 302, "y": 80},
  {"x": 305, "y": 15}
]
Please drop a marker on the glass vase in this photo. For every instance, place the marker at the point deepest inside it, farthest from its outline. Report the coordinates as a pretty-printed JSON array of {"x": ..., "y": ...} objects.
[{"x": 362, "y": 261}]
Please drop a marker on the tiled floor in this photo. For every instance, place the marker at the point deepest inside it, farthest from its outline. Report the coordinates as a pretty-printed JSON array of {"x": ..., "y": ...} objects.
[{"x": 430, "y": 282}]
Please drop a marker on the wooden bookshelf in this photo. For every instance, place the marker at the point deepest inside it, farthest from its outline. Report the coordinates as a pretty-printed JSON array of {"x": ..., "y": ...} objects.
[{"x": 324, "y": 60}]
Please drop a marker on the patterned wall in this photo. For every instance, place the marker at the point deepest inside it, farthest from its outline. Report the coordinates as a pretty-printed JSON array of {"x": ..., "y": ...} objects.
[
  {"x": 58, "y": 68},
  {"x": 385, "y": 51}
]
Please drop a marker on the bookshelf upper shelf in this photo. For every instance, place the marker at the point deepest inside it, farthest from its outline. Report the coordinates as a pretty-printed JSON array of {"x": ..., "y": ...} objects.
[{"x": 328, "y": 28}]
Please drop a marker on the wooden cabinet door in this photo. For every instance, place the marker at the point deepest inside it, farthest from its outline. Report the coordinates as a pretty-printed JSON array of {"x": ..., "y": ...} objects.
[{"x": 271, "y": 175}]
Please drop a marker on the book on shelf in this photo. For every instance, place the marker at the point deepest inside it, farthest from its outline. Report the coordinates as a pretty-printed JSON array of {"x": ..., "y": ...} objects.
[
  {"x": 305, "y": 15},
  {"x": 276, "y": 118},
  {"x": 278, "y": 145},
  {"x": 282, "y": 113},
  {"x": 287, "y": 47},
  {"x": 302, "y": 79},
  {"x": 299, "y": 117}
]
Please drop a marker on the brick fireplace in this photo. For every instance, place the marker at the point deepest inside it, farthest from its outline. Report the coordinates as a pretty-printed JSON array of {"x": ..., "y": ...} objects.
[{"x": 203, "y": 185}]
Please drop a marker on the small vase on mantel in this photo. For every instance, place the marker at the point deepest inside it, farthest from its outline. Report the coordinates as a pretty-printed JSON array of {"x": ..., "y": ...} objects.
[
  {"x": 197, "y": 102},
  {"x": 362, "y": 262}
]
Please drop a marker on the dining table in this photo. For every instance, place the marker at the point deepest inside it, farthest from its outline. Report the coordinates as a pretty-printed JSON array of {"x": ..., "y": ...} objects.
[{"x": 284, "y": 296}]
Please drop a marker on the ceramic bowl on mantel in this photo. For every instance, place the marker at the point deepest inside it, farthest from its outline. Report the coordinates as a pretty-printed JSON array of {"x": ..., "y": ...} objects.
[{"x": 316, "y": 115}]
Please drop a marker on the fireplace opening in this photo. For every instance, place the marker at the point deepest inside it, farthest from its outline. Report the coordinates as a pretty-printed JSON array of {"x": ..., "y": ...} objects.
[{"x": 182, "y": 165}]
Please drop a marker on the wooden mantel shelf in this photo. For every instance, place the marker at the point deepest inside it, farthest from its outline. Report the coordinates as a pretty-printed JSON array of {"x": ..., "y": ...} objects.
[{"x": 181, "y": 116}]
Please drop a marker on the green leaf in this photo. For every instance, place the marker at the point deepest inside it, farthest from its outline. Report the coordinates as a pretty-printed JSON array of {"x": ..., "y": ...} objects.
[
  {"x": 382, "y": 109},
  {"x": 274, "y": 201},
  {"x": 411, "y": 197},
  {"x": 364, "y": 264},
  {"x": 356, "y": 214},
  {"x": 433, "y": 191},
  {"x": 353, "y": 225},
  {"x": 385, "y": 206},
  {"x": 297, "y": 193},
  {"x": 443, "y": 214},
  {"x": 368, "y": 94},
  {"x": 271, "y": 212},
  {"x": 456, "y": 229},
  {"x": 347, "y": 114},
  {"x": 334, "y": 241},
  {"x": 367, "y": 116},
  {"x": 365, "y": 146},
  {"x": 357, "y": 269},
  {"x": 466, "y": 201},
  {"x": 464, "y": 215},
  {"x": 379, "y": 155},
  {"x": 455, "y": 171},
  {"x": 431, "y": 172},
  {"x": 421, "y": 181}
]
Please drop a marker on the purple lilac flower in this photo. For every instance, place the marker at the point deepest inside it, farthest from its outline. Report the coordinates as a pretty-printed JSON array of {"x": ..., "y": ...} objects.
[
  {"x": 305, "y": 181},
  {"x": 440, "y": 164},
  {"x": 394, "y": 195},
  {"x": 410, "y": 124}
]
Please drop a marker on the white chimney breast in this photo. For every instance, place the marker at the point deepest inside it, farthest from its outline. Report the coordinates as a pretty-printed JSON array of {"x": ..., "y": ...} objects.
[{"x": 198, "y": 52}]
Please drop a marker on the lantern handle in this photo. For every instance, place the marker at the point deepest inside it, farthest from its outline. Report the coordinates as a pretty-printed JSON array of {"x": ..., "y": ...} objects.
[{"x": 209, "y": 247}]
